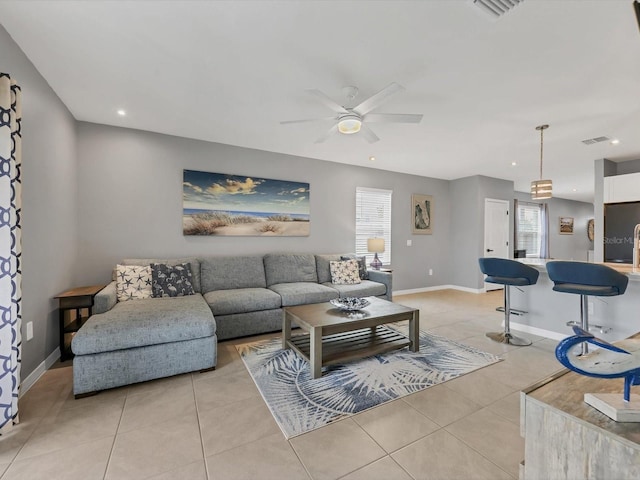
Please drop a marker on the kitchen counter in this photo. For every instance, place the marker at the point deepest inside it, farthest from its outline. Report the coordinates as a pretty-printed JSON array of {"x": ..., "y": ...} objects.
[{"x": 541, "y": 264}]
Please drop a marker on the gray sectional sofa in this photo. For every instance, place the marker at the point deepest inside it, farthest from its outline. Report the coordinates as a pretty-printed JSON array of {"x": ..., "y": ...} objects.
[{"x": 139, "y": 340}]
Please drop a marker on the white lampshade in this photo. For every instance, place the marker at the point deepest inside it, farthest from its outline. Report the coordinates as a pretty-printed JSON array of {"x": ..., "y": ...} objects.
[{"x": 375, "y": 245}]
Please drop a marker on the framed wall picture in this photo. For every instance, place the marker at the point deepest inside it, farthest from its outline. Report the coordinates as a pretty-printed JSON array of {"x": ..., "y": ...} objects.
[
  {"x": 566, "y": 225},
  {"x": 220, "y": 204},
  {"x": 421, "y": 214}
]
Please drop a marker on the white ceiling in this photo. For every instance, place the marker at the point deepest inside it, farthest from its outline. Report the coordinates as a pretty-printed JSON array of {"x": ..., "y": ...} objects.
[{"x": 230, "y": 71}]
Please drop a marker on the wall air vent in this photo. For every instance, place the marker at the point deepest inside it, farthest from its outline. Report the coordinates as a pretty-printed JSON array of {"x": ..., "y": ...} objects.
[
  {"x": 496, "y": 7},
  {"x": 591, "y": 141}
]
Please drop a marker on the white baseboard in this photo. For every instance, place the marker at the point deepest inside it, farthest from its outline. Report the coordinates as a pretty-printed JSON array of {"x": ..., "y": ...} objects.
[
  {"x": 541, "y": 332},
  {"x": 438, "y": 287},
  {"x": 33, "y": 377}
]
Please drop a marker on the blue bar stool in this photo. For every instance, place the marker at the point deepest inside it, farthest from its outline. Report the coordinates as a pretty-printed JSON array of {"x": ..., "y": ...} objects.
[
  {"x": 508, "y": 272},
  {"x": 586, "y": 279}
]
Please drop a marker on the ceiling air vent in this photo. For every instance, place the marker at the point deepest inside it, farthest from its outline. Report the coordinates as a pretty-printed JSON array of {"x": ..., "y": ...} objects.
[
  {"x": 591, "y": 141},
  {"x": 496, "y": 7}
]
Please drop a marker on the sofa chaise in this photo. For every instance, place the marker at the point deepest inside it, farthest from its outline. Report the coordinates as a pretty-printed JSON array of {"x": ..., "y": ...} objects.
[{"x": 234, "y": 296}]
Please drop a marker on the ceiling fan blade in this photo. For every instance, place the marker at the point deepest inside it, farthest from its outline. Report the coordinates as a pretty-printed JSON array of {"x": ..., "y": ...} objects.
[
  {"x": 368, "y": 134},
  {"x": 305, "y": 120},
  {"x": 328, "y": 133},
  {"x": 327, "y": 101},
  {"x": 393, "y": 118},
  {"x": 375, "y": 100}
]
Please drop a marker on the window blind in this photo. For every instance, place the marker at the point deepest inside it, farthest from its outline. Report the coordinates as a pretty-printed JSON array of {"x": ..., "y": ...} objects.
[
  {"x": 529, "y": 228},
  {"x": 373, "y": 219}
]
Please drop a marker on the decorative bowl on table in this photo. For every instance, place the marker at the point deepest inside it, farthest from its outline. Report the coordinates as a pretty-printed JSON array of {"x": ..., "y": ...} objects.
[{"x": 350, "y": 304}]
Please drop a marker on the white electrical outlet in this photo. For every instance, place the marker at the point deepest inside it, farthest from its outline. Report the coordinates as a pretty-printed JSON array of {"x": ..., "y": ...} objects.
[
  {"x": 409, "y": 243},
  {"x": 431, "y": 271},
  {"x": 29, "y": 330},
  {"x": 590, "y": 308}
]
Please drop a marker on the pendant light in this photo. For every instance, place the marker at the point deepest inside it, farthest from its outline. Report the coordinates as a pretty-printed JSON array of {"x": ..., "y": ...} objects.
[{"x": 541, "y": 189}]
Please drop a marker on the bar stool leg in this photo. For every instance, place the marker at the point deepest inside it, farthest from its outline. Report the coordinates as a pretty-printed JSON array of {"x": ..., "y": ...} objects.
[
  {"x": 506, "y": 336},
  {"x": 584, "y": 321}
]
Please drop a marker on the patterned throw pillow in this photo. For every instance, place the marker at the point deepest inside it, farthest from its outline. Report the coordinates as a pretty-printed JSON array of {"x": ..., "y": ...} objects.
[
  {"x": 172, "y": 281},
  {"x": 133, "y": 282},
  {"x": 362, "y": 265},
  {"x": 344, "y": 273}
]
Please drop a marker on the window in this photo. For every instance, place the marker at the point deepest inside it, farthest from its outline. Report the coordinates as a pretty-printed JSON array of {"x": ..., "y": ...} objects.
[
  {"x": 529, "y": 228},
  {"x": 373, "y": 219}
]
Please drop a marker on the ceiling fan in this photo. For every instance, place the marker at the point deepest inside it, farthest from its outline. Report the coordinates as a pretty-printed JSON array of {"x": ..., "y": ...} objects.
[{"x": 350, "y": 120}]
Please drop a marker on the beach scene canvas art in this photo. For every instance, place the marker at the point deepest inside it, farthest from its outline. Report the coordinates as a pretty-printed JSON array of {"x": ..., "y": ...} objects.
[{"x": 224, "y": 204}]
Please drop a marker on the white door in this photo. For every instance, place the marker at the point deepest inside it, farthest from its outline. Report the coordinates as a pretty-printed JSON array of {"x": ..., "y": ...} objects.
[{"x": 496, "y": 232}]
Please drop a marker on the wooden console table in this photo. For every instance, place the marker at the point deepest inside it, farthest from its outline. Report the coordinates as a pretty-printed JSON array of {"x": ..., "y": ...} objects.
[
  {"x": 565, "y": 438},
  {"x": 74, "y": 300}
]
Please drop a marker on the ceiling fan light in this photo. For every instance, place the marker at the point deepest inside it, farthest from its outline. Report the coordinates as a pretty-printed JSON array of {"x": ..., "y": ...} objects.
[
  {"x": 349, "y": 125},
  {"x": 541, "y": 189}
]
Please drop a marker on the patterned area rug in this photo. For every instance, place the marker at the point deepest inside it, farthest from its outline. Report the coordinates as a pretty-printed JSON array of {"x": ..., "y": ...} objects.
[{"x": 301, "y": 404}]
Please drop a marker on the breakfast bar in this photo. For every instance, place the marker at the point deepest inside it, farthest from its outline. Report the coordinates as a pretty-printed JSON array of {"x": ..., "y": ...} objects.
[{"x": 548, "y": 311}]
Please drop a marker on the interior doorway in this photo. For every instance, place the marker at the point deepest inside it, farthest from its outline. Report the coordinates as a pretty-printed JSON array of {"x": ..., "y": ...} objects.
[{"x": 496, "y": 232}]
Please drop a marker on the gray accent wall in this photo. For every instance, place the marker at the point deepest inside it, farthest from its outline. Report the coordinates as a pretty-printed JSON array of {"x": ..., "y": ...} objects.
[
  {"x": 467, "y": 225},
  {"x": 49, "y": 234},
  {"x": 130, "y": 204}
]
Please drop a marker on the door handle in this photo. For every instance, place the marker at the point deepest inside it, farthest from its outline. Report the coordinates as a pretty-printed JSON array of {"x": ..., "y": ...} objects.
[{"x": 489, "y": 250}]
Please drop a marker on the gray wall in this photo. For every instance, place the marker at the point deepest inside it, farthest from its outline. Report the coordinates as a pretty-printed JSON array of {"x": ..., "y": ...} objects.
[
  {"x": 467, "y": 225},
  {"x": 622, "y": 168},
  {"x": 48, "y": 202},
  {"x": 566, "y": 247},
  {"x": 130, "y": 204}
]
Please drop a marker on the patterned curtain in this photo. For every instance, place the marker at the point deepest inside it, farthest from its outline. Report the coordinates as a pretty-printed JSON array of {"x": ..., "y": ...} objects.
[{"x": 10, "y": 249}]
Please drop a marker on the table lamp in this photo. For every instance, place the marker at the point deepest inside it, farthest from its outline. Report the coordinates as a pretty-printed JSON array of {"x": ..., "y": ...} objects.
[{"x": 375, "y": 245}]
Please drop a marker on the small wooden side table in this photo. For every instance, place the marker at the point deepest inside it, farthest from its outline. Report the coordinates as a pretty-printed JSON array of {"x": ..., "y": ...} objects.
[{"x": 76, "y": 299}]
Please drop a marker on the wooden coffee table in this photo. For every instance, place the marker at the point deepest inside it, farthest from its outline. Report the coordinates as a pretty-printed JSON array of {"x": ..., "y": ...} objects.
[{"x": 337, "y": 336}]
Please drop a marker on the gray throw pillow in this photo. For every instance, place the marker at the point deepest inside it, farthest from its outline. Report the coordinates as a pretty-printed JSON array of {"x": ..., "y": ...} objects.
[
  {"x": 172, "y": 280},
  {"x": 362, "y": 265}
]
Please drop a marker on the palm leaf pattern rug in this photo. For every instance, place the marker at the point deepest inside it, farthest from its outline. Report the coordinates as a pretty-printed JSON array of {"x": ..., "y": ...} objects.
[{"x": 300, "y": 404}]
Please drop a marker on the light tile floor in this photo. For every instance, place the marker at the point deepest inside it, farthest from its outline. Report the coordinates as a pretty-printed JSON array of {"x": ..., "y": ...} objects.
[{"x": 215, "y": 425}]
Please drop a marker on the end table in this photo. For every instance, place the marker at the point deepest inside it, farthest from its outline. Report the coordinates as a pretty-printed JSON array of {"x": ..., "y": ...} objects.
[{"x": 76, "y": 299}]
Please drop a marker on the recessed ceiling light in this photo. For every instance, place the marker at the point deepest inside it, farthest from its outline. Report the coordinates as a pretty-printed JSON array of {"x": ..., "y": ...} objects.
[
  {"x": 615, "y": 141},
  {"x": 514, "y": 164},
  {"x": 372, "y": 158},
  {"x": 121, "y": 112},
  {"x": 574, "y": 190}
]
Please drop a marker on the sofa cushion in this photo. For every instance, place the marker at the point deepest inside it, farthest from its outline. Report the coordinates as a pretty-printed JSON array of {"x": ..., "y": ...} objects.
[
  {"x": 301, "y": 293},
  {"x": 171, "y": 280},
  {"x": 133, "y": 282},
  {"x": 322, "y": 265},
  {"x": 222, "y": 273},
  {"x": 150, "y": 321},
  {"x": 290, "y": 268},
  {"x": 195, "y": 266},
  {"x": 344, "y": 272},
  {"x": 366, "y": 288},
  {"x": 242, "y": 300},
  {"x": 362, "y": 265}
]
